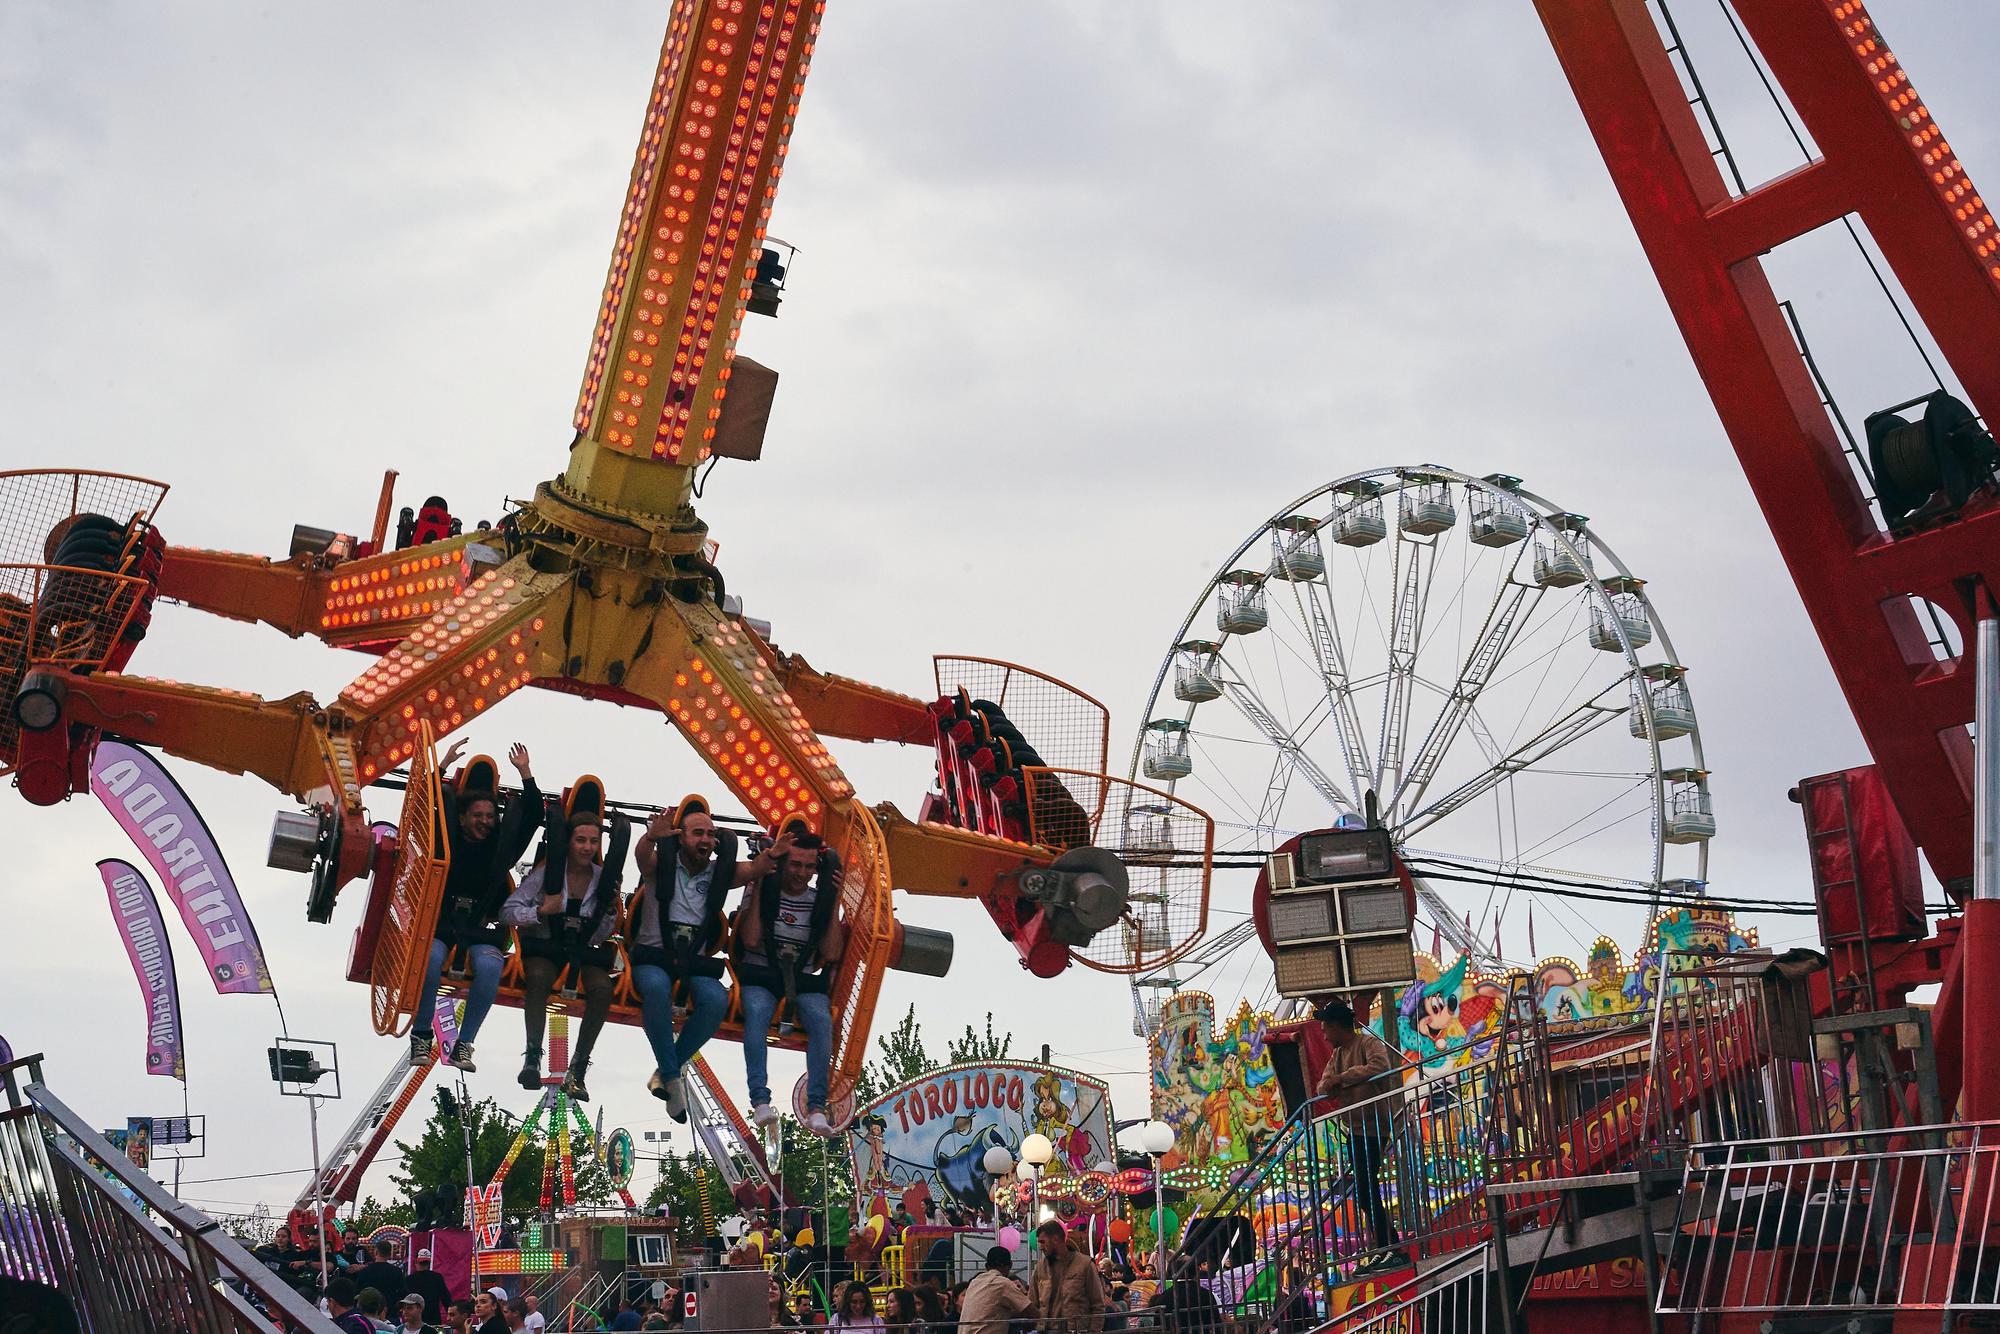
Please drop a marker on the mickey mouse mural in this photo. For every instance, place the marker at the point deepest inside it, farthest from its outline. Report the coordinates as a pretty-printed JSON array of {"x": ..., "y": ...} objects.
[{"x": 936, "y": 1129}]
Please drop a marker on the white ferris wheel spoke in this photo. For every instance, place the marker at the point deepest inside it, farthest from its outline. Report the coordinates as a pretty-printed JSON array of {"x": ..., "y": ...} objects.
[
  {"x": 1240, "y": 693},
  {"x": 1578, "y": 723}
]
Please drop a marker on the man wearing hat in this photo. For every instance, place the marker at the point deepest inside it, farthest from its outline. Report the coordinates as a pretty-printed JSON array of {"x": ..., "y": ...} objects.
[
  {"x": 412, "y": 1310},
  {"x": 428, "y": 1284}
]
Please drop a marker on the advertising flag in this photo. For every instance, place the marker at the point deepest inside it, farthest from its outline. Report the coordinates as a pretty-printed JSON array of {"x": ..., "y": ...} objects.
[
  {"x": 164, "y": 825},
  {"x": 140, "y": 926}
]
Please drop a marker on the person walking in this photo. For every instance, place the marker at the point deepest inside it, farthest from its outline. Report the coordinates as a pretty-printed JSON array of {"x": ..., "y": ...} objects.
[
  {"x": 1069, "y": 1297},
  {"x": 995, "y": 1297},
  {"x": 428, "y": 1283},
  {"x": 381, "y": 1273},
  {"x": 1352, "y": 1083}
]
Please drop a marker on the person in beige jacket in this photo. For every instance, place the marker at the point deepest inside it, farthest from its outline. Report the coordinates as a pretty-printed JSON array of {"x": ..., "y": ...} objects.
[
  {"x": 994, "y": 1298},
  {"x": 1069, "y": 1296}
]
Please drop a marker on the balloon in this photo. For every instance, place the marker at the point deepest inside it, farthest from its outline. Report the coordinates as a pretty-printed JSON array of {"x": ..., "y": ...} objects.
[
  {"x": 1010, "y": 1237},
  {"x": 1121, "y": 1231}
]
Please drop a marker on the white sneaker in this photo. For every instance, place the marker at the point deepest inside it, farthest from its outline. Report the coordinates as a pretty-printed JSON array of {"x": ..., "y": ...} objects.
[
  {"x": 817, "y": 1123},
  {"x": 671, "y": 1092},
  {"x": 763, "y": 1114}
]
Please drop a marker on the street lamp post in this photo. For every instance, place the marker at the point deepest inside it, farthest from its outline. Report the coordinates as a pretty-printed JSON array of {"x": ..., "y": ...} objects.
[
  {"x": 1156, "y": 1138},
  {"x": 1036, "y": 1153},
  {"x": 999, "y": 1165}
]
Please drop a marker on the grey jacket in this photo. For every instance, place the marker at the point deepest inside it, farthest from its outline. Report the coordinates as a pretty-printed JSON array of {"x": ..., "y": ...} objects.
[{"x": 522, "y": 910}]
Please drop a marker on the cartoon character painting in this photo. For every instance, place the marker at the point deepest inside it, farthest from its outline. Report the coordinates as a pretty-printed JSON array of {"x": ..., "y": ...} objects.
[
  {"x": 1214, "y": 1085},
  {"x": 935, "y": 1131}
]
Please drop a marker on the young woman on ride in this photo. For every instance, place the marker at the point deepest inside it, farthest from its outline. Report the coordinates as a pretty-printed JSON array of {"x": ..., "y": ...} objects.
[{"x": 563, "y": 913}]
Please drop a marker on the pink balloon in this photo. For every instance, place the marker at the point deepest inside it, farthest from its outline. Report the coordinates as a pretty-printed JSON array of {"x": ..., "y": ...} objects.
[{"x": 1010, "y": 1237}]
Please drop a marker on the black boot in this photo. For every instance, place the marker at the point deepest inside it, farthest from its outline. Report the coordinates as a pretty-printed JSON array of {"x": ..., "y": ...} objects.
[
  {"x": 573, "y": 1082},
  {"x": 531, "y": 1069}
]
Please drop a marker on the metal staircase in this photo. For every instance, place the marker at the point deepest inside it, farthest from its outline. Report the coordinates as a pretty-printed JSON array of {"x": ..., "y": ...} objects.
[
  {"x": 1545, "y": 1150},
  {"x": 79, "y": 1220}
]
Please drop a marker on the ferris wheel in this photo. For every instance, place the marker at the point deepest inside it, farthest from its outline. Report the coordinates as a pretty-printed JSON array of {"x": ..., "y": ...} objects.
[{"x": 1476, "y": 658}]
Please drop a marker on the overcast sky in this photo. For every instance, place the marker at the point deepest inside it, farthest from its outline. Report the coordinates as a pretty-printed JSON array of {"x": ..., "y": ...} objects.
[{"x": 1084, "y": 293}]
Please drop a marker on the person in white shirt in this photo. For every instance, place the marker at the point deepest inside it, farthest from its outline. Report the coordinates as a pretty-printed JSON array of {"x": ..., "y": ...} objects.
[
  {"x": 563, "y": 912},
  {"x": 674, "y": 926},
  {"x": 791, "y": 939},
  {"x": 534, "y": 1320}
]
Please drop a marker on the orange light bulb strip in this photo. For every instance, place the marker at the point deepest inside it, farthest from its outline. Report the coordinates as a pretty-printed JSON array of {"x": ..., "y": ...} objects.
[
  {"x": 770, "y": 48},
  {"x": 455, "y": 666},
  {"x": 390, "y": 591},
  {"x": 752, "y": 735},
  {"x": 1948, "y": 178},
  {"x": 631, "y": 228}
]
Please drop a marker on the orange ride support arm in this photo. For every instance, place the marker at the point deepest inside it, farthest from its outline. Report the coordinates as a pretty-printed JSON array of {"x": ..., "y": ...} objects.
[
  {"x": 377, "y": 599},
  {"x": 854, "y": 710},
  {"x": 696, "y": 210}
]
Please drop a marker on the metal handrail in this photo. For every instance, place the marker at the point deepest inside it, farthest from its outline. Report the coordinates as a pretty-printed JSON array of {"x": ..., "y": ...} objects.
[
  {"x": 1795, "y": 1224},
  {"x": 111, "y": 1239}
]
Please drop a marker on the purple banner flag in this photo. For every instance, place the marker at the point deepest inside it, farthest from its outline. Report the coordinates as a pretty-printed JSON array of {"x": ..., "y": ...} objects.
[
  {"x": 145, "y": 934},
  {"x": 164, "y": 825}
]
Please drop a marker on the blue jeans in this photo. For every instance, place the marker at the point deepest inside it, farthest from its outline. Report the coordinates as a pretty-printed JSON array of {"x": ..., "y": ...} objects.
[
  {"x": 486, "y": 960},
  {"x": 709, "y": 1002},
  {"x": 814, "y": 1013}
]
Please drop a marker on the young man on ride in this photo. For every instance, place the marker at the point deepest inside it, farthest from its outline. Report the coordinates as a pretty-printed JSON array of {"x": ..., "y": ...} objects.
[
  {"x": 484, "y": 845},
  {"x": 688, "y": 865},
  {"x": 564, "y": 919},
  {"x": 791, "y": 938}
]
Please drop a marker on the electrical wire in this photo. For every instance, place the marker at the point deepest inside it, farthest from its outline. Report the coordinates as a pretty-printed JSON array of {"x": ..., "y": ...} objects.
[{"x": 1743, "y": 40}]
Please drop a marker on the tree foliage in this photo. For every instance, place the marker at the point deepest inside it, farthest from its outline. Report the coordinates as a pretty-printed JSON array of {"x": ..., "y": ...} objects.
[
  {"x": 975, "y": 1046},
  {"x": 901, "y": 1056}
]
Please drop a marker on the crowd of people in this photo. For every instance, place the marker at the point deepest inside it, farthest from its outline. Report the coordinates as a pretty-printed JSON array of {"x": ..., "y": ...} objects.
[{"x": 782, "y": 938}]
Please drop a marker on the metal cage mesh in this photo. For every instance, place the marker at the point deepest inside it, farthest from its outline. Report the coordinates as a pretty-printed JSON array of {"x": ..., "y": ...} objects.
[
  {"x": 1165, "y": 843},
  {"x": 1067, "y": 728},
  {"x": 66, "y": 618},
  {"x": 34, "y": 503}
]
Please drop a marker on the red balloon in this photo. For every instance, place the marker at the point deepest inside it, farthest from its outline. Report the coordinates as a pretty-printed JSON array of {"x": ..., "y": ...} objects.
[{"x": 1121, "y": 1231}]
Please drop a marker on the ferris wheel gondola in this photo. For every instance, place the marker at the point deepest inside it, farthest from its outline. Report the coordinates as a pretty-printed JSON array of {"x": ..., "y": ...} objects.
[{"x": 1475, "y": 657}]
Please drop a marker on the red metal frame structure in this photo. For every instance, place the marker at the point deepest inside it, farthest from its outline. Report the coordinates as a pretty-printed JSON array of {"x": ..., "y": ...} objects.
[{"x": 1885, "y": 160}]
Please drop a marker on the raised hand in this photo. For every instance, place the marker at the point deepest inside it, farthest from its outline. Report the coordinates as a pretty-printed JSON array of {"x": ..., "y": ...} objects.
[
  {"x": 451, "y": 754},
  {"x": 661, "y": 825},
  {"x": 517, "y": 755}
]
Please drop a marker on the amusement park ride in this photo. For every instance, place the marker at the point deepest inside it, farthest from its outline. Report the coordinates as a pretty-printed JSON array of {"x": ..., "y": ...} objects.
[
  {"x": 604, "y": 586},
  {"x": 601, "y": 586}
]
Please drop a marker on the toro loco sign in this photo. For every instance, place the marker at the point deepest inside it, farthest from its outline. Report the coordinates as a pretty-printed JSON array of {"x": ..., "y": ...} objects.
[{"x": 936, "y": 1129}]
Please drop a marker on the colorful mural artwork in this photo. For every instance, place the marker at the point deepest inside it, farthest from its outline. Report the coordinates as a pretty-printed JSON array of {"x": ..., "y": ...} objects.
[
  {"x": 935, "y": 1130},
  {"x": 1214, "y": 1084},
  {"x": 1450, "y": 1017}
]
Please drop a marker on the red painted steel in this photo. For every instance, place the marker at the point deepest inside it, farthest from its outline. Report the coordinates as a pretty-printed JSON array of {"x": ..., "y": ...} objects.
[{"x": 1884, "y": 161}]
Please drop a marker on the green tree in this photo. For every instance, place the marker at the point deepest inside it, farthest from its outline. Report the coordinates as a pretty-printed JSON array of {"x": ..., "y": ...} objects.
[
  {"x": 679, "y": 1186},
  {"x": 373, "y": 1214},
  {"x": 437, "y": 1160},
  {"x": 902, "y": 1057},
  {"x": 975, "y": 1046}
]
